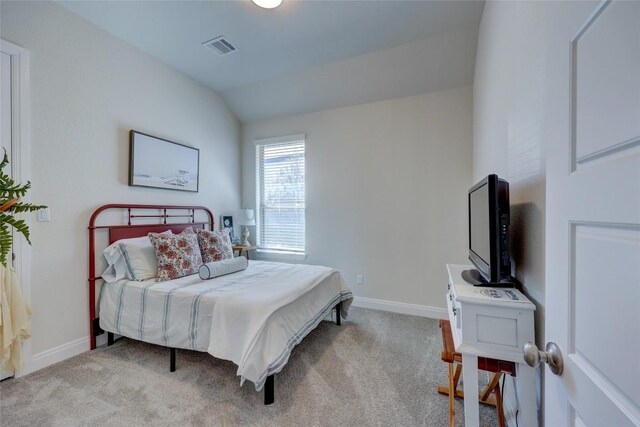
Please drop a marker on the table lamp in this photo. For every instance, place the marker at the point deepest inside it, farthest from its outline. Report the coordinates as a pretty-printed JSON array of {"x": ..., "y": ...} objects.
[{"x": 246, "y": 218}]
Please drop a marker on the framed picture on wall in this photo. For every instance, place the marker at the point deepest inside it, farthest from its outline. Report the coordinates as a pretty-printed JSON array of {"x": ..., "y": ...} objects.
[
  {"x": 159, "y": 163},
  {"x": 227, "y": 224}
]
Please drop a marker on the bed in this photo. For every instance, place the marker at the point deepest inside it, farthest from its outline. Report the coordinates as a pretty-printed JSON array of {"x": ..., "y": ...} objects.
[{"x": 254, "y": 317}]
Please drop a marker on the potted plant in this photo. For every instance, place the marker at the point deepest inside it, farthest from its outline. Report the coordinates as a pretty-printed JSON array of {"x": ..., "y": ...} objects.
[{"x": 10, "y": 205}]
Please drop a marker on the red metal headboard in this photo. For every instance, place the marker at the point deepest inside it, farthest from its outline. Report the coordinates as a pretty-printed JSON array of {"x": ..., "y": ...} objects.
[{"x": 130, "y": 230}]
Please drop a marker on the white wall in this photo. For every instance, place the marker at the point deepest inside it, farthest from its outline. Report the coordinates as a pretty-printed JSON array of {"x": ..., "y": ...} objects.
[
  {"x": 507, "y": 106},
  {"x": 510, "y": 85},
  {"x": 88, "y": 89},
  {"x": 386, "y": 189}
]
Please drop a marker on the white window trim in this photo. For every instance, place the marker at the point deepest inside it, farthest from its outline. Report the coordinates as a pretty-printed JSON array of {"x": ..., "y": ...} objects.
[
  {"x": 272, "y": 255},
  {"x": 269, "y": 254},
  {"x": 282, "y": 139}
]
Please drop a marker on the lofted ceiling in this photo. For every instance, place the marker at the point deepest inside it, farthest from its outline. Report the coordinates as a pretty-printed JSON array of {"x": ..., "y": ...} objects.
[{"x": 310, "y": 44}]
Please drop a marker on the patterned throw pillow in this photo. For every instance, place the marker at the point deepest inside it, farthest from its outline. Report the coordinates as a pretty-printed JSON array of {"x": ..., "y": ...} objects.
[
  {"x": 178, "y": 254},
  {"x": 215, "y": 245}
]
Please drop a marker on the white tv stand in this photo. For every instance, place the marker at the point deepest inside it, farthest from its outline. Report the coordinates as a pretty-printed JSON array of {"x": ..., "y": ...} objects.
[{"x": 494, "y": 323}]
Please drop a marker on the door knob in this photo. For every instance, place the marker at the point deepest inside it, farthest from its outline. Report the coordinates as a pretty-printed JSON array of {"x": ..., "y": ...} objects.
[{"x": 551, "y": 356}]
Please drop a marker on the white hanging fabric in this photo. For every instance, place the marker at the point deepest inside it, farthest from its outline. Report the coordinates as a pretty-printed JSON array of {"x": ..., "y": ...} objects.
[{"x": 14, "y": 320}]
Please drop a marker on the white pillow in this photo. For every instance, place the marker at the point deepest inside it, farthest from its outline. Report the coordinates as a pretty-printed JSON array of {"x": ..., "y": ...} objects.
[{"x": 133, "y": 259}]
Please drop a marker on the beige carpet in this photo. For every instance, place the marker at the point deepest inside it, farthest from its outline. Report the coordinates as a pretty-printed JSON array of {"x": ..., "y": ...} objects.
[{"x": 377, "y": 369}]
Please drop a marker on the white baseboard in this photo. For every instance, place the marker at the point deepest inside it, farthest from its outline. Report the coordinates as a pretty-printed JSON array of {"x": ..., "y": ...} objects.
[
  {"x": 55, "y": 355},
  {"x": 401, "y": 307}
]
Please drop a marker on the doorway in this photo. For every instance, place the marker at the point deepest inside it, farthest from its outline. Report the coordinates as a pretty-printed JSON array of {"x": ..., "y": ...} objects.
[{"x": 15, "y": 139}]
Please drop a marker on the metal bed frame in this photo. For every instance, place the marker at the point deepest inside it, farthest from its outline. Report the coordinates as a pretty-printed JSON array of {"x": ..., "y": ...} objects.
[{"x": 164, "y": 214}]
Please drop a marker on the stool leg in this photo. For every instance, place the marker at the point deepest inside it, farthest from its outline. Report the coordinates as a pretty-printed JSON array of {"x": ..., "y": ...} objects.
[
  {"x": 495, "y": 381},
  {"x": 456, "y": 376},
  {"x": 452, "y": 397},
  {"x": 499, "y": 408}
]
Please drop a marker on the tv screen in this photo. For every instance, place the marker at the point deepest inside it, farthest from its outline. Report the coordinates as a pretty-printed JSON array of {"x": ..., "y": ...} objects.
[
  {"x": 489, "y": 233},
  {"x": 480, "y": 241}
]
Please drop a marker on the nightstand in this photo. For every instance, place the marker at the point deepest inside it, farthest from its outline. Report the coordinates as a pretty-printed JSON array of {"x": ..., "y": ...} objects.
[
  {"x": 493, "y": 323},
  {"x": 241, "y": 249}
]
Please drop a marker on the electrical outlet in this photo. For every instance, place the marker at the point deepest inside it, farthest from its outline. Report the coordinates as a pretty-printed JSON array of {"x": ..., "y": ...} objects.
[
  {"x": 359, "y": 280},
  {"x": 44, "y": 215}
]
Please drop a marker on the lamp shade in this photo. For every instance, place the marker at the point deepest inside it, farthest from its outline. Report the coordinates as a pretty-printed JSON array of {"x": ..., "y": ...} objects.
[
  {"x": 267, "y": 4},
  {"x": 246, "y": 217}
]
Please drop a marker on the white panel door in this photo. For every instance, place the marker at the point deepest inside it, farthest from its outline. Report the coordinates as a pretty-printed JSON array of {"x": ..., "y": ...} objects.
[{"x": 593, "y": 225}]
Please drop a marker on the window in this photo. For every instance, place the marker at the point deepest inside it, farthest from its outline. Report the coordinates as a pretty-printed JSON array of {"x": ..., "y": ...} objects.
[{"x": 280, "y": 175}]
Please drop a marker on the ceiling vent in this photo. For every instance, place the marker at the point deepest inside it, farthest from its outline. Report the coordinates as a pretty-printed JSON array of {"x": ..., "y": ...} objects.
[{"x": 220, "y": 45}]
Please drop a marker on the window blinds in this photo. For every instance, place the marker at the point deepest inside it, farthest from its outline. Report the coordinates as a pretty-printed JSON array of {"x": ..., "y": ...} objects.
[{"x": 280, "y": 191}]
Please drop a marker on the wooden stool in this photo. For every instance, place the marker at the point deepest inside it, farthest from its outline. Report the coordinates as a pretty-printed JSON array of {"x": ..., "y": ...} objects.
[{"x": 498, "y": 367}]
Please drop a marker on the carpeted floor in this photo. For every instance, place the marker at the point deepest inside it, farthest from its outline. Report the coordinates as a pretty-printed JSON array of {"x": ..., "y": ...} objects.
[{"x": 377, "y": 369}]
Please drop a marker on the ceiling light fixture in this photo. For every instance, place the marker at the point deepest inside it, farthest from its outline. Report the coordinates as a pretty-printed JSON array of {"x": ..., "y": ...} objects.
[{"x": 268, "y": 4}]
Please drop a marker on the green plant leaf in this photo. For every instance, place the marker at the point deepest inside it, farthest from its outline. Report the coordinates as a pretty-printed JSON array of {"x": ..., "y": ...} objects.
[
  {"x": 5, "y": 160},
  {"x": 25, "y": 207},
  {"x": 18, "y": 224},
  {"x": 5, "y": 243},
  {"x": 10, "y": 190}
]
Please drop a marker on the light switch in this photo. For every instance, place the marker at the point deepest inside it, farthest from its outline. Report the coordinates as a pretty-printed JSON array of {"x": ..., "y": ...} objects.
[{"x": 44, "y": 215}]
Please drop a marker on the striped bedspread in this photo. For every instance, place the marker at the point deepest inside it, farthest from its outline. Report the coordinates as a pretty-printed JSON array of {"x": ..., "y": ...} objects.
[{"x": 253, "y": 317}]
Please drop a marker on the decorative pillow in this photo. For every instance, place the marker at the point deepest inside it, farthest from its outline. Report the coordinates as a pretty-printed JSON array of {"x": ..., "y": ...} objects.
[
  {"x": 215, "y": 245},
  {"x": 132, "y": 259},
  {"x": 211, "y": 270},
  {"x": 178, "y": 254}
]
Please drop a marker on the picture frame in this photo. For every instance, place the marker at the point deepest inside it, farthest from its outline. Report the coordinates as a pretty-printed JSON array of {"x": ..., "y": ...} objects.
[
  {"x": 159, "y": 163},
  {"x": 227, "y": 224}
]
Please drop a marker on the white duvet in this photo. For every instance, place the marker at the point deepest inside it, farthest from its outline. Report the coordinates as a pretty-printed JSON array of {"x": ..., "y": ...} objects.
[{"x": 253, "y": 317}]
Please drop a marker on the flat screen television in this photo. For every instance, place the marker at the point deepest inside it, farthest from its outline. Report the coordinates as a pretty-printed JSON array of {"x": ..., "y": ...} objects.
[{"x": 489, "y": 233}]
